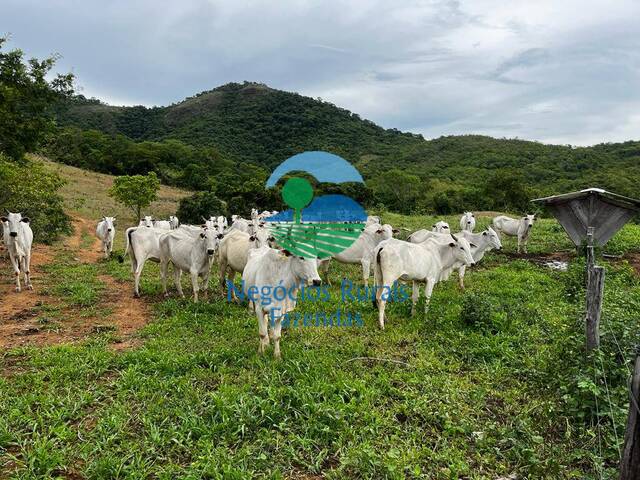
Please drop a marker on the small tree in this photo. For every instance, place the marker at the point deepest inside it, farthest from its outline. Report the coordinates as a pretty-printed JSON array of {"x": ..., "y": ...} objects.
[{"x": 136, "y": 191}]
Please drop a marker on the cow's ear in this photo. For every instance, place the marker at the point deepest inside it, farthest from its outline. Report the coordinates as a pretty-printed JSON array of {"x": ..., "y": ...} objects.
[
  {"x": 25, "y": 219},
  {"x": 204, "y": 225},
  {"x": 473, "y": 245},
  {"x": 451, "y": 244},
  {"x": 484, "y": 233},
  {"x": 4, "y": 219}
]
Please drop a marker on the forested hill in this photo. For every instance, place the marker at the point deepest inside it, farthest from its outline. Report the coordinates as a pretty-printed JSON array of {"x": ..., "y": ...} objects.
[
  {"x": 249, "y": 121},
  {"x": 245, "y": 130}
]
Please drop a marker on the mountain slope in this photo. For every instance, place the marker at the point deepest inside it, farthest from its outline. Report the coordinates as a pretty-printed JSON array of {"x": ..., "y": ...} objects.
[
  {"x": 249, "y": 121},
  {"x": 247, "y": 129}
]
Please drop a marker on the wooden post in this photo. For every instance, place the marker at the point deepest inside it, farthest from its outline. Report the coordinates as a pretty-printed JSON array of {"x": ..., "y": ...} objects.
[
  {"x": 630, "y": 461},
  {"x": 595, "y": 289},
  {"x": 590, "y": 254}
]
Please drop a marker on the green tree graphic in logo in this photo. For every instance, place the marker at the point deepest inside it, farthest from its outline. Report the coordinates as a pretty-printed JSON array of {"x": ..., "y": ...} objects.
[{"x": 320, "y": 227}]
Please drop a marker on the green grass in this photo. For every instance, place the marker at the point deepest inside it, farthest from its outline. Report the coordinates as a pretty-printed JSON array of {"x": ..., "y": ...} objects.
[{"x": 481, "y": 393}]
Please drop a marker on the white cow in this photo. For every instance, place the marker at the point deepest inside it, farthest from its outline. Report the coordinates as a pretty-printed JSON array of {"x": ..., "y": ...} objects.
[
  {"x": 468, "y": 222},
  {"x": 441, "y": 227},
  {"x": 218, "y": 223},
  {"x": 234, "y": 252},
  {"x": 361, "y": 251},
  {"x": 146, "y": 221},
  {"x": 18, "y": 237},
  {"x": 520, "y": 228},
  {"x": 174, "y": 222},
  {"x": 142, "y": 244},
  {"x": 240, "y": 224},
  {"x": 106, "y": 231},
  {"x": 422, "y": 262},
  {"x": 188, "y": 253},
  {"x": 266, "y": 269},
  {"x": 372, "y": 219},
  {"x": 162, "y": 224}
]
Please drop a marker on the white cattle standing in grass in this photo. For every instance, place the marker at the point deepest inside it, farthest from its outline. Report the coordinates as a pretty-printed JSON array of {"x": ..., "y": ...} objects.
[
  {"x": 361, "y": 251},
  {"x": 468, "y": 222},
  {"x": 268, "y": 268},
  {"x": 142, "y": 244},
  {"x": 441, "y": 227},
  {"x": 234, "y": 252},
  {"x": 146, "y": 221},
  {"x": 174, "y": 222},
  {"x": 520, "y": 228},
  {"x": 106, "y": 231},
  {"x": 18, "y": 237},
  {"x": 190, "y": 253},
  {"x": 422, "y": 262}
]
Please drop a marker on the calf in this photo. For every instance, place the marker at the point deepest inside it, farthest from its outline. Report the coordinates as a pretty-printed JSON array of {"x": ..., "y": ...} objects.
[
  {"x": 106, "y": 231},
  {"x": 188, "y": 253},
  {"x": 467, "y": 222},
  {"x": 361, "y": 251},
  {"x": 422, "y": 262},
  {"x": 18, "y": 238},
  {"x": 520, "y": 228},
  {"x": 266, "y": 269},
  {"x": 174, "y": 222}
]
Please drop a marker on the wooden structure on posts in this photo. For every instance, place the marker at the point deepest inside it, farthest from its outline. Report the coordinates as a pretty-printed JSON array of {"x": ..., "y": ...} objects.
[{"x": 591, "y": 217}]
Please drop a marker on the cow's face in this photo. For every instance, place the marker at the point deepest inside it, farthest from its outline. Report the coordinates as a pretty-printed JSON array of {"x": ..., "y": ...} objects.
[
  {"x": 469, "y": 218},
  {"x": 147, "y": 221},
  {"x": 261, "y": 236},
  {"x": 494, "y": 238},
  {"x": 384, "y": 232},
  {"x": 306, "y": 269},
  {"x": 441, "y": 227},
  {"x": 462, "y": 250},
  {"x": 210, "y": 240},
  {"x": 110, "y": 223},
  {"x": 13, "y": 222},
  {"x": 528, "y": 221}
]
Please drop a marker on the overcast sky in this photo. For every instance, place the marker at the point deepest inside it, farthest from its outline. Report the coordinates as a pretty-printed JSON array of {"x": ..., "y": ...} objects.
[{"x": 558, "y": 71}]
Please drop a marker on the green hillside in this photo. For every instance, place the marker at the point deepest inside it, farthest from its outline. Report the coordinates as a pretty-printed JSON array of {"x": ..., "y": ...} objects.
[{"x": 231, "y": 127}]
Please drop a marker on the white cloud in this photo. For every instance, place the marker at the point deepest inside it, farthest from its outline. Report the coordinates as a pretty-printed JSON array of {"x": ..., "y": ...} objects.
[{"x": 563, "y": 72}]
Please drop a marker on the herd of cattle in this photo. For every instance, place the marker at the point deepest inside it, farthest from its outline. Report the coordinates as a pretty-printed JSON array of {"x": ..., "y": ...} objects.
[{"x": 246, "y": 247}]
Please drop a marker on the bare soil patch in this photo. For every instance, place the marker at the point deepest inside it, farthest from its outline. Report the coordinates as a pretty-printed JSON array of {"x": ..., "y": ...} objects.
[{"x": 23, "y": 316}]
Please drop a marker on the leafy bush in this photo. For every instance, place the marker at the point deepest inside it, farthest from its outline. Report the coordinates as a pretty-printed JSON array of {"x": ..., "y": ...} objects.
[
  {"x": 27, "y": 187},
  {"x": 477, "y": 310},
  {"x": 198, "y": 205}
]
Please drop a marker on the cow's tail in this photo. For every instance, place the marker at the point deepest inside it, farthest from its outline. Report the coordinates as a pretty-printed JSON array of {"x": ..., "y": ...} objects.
[
  {"x": 129, "y": 249},
  {"x": 377, "y": 276}
]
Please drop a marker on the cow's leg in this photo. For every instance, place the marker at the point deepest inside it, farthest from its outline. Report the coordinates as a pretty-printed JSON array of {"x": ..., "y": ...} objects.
[
  {"x": 324, "y": 270},
  {"x": 205, "y": 284},
  {"x": 16, "y": 271},
  {"x": 461, "y": 272},
  {"x": 163, "y": 276},
  {"x": 222, "y": 272},
  {"x": 177, "y": 280},
  {"x": 366, "y": 270},
  {"x": 263, "y": 323},
  {"x": 277, "y": 333},
  {"x": 136, "y": 277},
  {"x": 194, "y": 284},
  {"x": 428, "y": 290},
  {"x": 382, "y": 302},
  {"x": 415, "y": 296},
  {"x": 27, "y": 271},
  {"x": 524, "y": 244}
]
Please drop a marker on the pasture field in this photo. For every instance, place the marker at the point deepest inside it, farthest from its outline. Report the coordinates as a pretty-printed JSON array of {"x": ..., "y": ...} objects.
[{"x": 494, "y": 382}]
